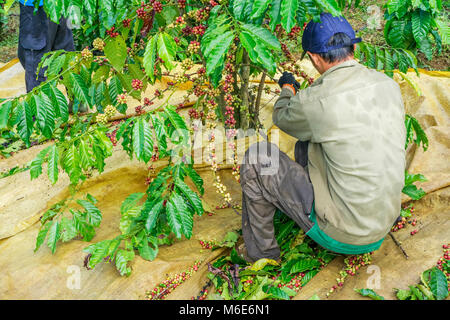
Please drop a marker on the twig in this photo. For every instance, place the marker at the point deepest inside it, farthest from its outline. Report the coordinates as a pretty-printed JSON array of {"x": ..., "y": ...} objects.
[{"x": 398, "y": 245}]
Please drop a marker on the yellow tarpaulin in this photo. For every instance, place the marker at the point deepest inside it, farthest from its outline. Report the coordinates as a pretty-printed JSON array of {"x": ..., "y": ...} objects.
[{"x": 41, "y": 275}]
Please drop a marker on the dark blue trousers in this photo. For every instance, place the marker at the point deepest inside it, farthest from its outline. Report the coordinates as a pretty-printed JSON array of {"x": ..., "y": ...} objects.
[{"x": 37, "y": 36}]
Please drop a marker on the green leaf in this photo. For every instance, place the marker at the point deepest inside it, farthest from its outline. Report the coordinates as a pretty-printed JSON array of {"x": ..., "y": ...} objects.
[
  {"x": 94, "y": 216},
  {"x": 25, "y": 122},
  {"x": 330, "y": 6},
  {"x": 173, "y": 219},
  {"x": 185, "y": 215},
  {"x": 413, "y": 192},
  {"x": 411, "y": 178},
  {"x": 5, "y": 110},
  {"x": 98, "y": 251},
  {"x": 263, "y": 36},
  {"x": 146, "y": 252},
  {"x": 216, "y": 57},
  {"x": 71, "y": 163},
  {"x": 369, "y": 293},
  {"x": 130, "y": 202},
  {"x": 403, "y": 294},
  {"x": 58, "y": 101},
  {"x": 68, "y": 230},
  {"x": 36, "y": 164},
  {"x": 85, "y": 154},
  {"x": 53, "y": 235},
  {"x": 288, "y": 12},
  {"x": 53, "y": 159},
  {"x": 41, "y": 235},
  {"x": 304, "y": 265},
  {"x": 444, "y": 30},
  {"x": 114, "y": 88},
  {"x": 196, "y": 179},
  {"x": 276, "y": 292},
  {"x": 150, "y": 57},
  {"x": 259, "y": 8},
  {"x": 399, "y": 7},
  {"x": 45, "y": 115},
  {"x": 416, "y": 293},
  {"x": 421, "y": 24},
  {"x": 152, "y": 210},
  {"x": 242, "y": 9},
  {"x": 308, "y": 276},
  {"x": 80, "y": 89},
  {"x": 275, "y": 14},
  {"x": 399, "y": 34},
  {"x": 438, "y": 284},
  {"x": 167, "y": 49},
  {"x": 116, "y": 52},
  {"x": 86, "y": 230},
  {"x": 175, "y": 119},
  {"x": 191, "y": 196},
  {"x": 142, "y": 140},
  {"x": 53, "y": 8},
  {"x": 161, "y": 136},
  {"x": 122, "y": 259}
]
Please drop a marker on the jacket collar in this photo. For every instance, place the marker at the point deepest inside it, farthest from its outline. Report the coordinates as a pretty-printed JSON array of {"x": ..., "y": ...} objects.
[{"x": 345, "y": 64}]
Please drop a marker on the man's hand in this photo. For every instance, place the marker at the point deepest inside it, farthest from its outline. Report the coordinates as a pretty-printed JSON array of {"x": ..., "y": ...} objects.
[{"x": 288, "y": 80}]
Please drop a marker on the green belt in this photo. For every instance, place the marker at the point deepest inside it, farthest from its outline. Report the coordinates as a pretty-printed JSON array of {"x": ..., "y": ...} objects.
[{"x": 329, "y": 243}]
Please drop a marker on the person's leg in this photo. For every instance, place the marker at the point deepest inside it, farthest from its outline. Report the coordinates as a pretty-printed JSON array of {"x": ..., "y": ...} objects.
[
  {"x": 62, "y": 36},
  {"x": 32, "y": 43},
  {"x": 271, "y": 180}
]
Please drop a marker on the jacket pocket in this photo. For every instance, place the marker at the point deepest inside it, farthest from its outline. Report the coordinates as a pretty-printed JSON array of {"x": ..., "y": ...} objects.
[{"x": 33, "y": 29}]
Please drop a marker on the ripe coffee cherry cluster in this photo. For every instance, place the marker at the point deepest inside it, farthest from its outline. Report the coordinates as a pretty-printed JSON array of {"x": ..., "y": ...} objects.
[
  {"x": 182, "y": 4},
  {"x": 193, "y": 47},
  {"x": 199, "y": 30},
  {"x": 122, "y": 98},
  {"x": 352, "y": 265},
  {"x": 112, "y": 136},
  {"x": 98, "y": 44},
  {"x": 206, "y": 244},
  {"x": 180, "y": 20},
  {"x": 171, "y": 283},
  {"x": 295, "y": 283},
  {"x": 141, "y": 12},
  {"x": 157, "y": 6},
  {"x": 139, "y": 110},
  {"x": 137, "y": 84},
  {"x": 126, "y": 23},
  {"x": 444, "y": 261},
  {"x": 112, "y": 33},
  {"x": 414, "y": 232},
  {"x": 402, "y": 220},
  {"x": 194, "y": 114},
  {"x": 86, "y": 54},
  {"x": 147, "y": 102},
  {"x": 294, "y": 32}
]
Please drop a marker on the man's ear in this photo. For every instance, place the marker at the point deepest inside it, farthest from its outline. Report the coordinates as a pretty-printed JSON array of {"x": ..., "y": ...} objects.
[{"x": 314, "y": 58}]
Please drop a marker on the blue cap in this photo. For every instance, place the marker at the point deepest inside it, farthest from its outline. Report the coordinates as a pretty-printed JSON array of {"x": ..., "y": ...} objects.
[{"x": 317, "y": 34}]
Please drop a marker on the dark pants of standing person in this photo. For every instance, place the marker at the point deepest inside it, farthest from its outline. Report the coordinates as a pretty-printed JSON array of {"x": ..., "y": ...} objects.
[
  {"x": 270, "y": 180},
  {"x": 37, "y": 36}
]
